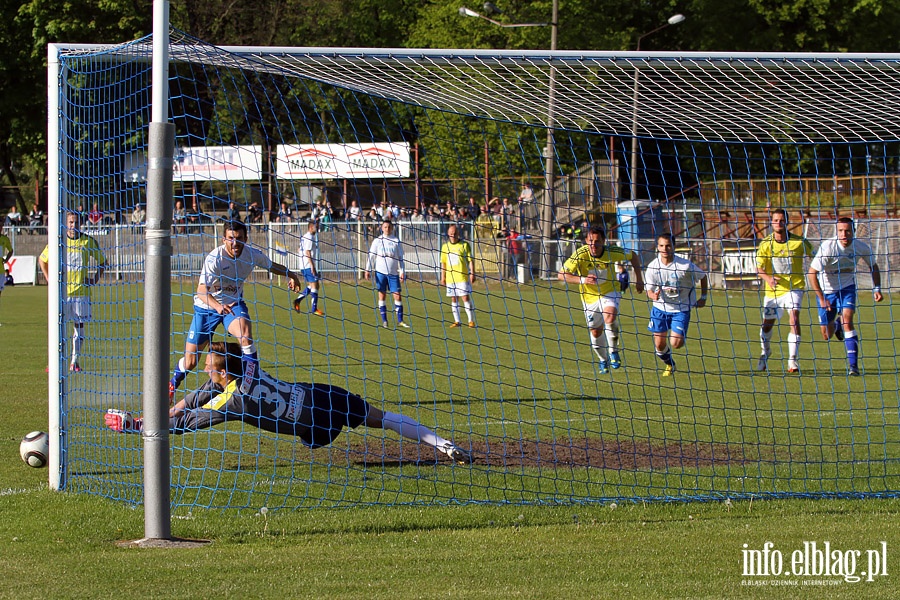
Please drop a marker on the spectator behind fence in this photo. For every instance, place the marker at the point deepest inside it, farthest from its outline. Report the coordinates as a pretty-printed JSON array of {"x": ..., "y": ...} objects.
[
  {"x": 254, "y": 213},
  {"x": 13, "y": 218},
  {"x": 234, "y": 213},
  {"x": 138, "y": 215},
  {"x": 35, "y": 219}
]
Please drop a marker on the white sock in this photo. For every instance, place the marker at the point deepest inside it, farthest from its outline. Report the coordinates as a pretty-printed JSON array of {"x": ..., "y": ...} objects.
[
  {"x": 598, "y": 348},
  {"x": 470, "y": 313},
  {"x": 793, "y": 346},
  {"x": 612, "y": 335},
  {"x": 765, "y": 339},
  {"x": 454, "y": 308},
  {"x": 77, "y": 341},
  {"x": 412, "y": 429}
]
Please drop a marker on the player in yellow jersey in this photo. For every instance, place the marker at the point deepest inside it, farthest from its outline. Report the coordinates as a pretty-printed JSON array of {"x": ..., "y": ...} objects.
[
  {"x": 779, "y": 262},
  {"x": 593, "y": 268},
  {"x": 81, "y": 250},
  {"x": 458, "y": 274},
  {"x": 6, "y": 252}
]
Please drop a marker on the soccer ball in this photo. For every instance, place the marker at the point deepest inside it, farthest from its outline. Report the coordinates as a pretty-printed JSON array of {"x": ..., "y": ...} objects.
[{"x": 35, "y": 449}]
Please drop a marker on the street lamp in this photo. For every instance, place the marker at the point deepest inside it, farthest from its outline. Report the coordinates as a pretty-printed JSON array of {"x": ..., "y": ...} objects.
[
  {"x": 673, "y": 20},
  {"x": 468, "y": 12},
  {"x": 550, "y": 149}
]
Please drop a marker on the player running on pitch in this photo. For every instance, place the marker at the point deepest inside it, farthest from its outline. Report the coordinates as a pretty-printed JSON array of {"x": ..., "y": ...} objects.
[
  {"x": 593, "y": 267},
  {"x": 779, "y": 263},
  {"x": 832, "y": 277},
  {"x": 671, "y": 284},
  {"x": 219, "y": 298},
  {"x": 308, "y": 246},
  {"x": 458, "y": 274},
  {"x": 315, "y": 413}
]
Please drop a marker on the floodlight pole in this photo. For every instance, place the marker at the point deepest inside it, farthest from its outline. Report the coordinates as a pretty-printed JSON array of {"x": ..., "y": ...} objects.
[
  {"x": 158, "y": 288},
  {"x": 673, "y": 20},
  {"x": 548, "y": 205}
]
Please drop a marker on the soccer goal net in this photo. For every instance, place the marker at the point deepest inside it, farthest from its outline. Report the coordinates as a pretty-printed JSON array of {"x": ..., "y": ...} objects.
[{"x": 702, "y": 146}]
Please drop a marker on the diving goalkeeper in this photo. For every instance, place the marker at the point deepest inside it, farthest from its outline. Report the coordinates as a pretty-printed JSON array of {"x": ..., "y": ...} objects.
[{"x": 315, "y": 413}]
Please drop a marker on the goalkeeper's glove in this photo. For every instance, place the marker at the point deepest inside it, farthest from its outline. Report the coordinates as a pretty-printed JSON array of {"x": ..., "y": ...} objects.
[{"x": 122, "y": 421}]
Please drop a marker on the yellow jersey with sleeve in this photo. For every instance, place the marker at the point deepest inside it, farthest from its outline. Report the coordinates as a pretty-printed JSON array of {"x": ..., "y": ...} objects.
[
  {"x": 455, "y": 258},
  {"x": 784, "y": 261},
  {"x": 582, "y": 264},
  {"x": 5, "y": 249},
  {"x": 80, "y": 251}
]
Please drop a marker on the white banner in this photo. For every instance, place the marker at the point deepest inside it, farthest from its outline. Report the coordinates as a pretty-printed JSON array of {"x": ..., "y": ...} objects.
[
  {"x": 218, "y": 163},
  {"x": 343, "y": 161},
  {"x": 23, "y": 269}
]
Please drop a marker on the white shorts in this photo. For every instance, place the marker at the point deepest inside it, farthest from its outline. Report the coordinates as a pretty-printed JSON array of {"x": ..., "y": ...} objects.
[
  {"x": 78, "y": 309},
  {"x": 455, "y": 290},
  {"x": 773, "y": 308},
  {"x": 593, "y": 313}
]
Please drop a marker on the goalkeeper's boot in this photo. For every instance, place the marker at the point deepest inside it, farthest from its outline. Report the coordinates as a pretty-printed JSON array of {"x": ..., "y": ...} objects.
[
  {"x": 472, "y": 324},
  {"x": 75, "y": 368},
  {"x": 669, "y": 371},
  {"x": 122, "y": 421},
  {"x": 853, "y": 372},
  {"x": 603, "y": 367},
  {"x": 319, "y": 312},
  {"x": 456, "y": 324},
  {"x": 615, "y": 361},
  {"x": 763, "y": 363},
  {"x": 298, "y": 301},
  {"x": 793, "y": 366},
  {"x": 403, "y": 324},
  {"x": 458, "y": 455}
]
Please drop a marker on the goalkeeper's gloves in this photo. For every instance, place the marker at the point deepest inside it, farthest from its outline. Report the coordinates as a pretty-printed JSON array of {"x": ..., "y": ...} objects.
[{"x": 122, "y": 421}]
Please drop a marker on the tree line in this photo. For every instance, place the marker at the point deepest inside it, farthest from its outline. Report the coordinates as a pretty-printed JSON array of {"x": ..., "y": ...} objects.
[{"x": 711, "y": 25}]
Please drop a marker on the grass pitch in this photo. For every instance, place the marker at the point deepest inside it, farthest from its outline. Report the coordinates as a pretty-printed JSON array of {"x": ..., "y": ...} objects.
[{"x": 63, "y": 544}]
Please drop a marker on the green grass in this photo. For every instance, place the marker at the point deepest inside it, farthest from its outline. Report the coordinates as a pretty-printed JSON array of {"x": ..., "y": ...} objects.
[{"x": 62, "y": 545}]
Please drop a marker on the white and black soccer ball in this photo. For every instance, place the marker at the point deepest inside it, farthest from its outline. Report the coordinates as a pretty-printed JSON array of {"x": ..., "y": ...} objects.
[{"x": 35, "y": 449}]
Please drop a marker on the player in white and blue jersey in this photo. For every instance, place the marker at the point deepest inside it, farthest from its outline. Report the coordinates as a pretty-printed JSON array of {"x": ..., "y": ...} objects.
[
  {"x": 386, "y": 260},
  {"x": 308, "y": 247},
  {"x": 219, "y": 298},
  {"x": 832, "y": 277},
  {"x": 671, "y": 282}
]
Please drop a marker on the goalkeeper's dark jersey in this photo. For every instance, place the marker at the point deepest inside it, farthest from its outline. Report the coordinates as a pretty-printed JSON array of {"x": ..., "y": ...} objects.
[{"x": 314, "y": 413}]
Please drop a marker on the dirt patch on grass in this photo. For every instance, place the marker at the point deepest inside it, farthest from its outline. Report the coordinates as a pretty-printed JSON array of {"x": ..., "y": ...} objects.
[{"x": 565, "y": 453}]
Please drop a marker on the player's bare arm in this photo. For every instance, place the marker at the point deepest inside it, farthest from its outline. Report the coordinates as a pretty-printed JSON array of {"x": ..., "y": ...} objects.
[
  {"x": 704, "y": 290},
  {"x": 638, "y": 274},
  {"x": 876, "y": 283},
  {"x": 812, "y": 278},
  {"x": 282, "y": 271}
]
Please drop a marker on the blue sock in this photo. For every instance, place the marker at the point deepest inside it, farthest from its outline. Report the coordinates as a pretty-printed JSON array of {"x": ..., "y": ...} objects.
[
  {"x": 315, "y": 300},
  {"x": 179, "y": 375},
  {"x": 399, "y": 309},
  {"x": 383, "y": 310},
  {"x": 303, "y": 294},
  {"x": 851, "y": 342}
]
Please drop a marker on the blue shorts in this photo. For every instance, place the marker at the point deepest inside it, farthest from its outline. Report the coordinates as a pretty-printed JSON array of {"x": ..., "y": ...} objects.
[
  {"x": 308, "y": 276},
  {"x": 206, "y": 320},
  {"x": 385, "y": 282},
  {"x": 840, "y": 301},
  {"x": 662, "y": 322}
]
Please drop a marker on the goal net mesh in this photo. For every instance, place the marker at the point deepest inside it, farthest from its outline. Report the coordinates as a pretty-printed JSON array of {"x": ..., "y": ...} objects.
[{"x": 703, "y": 146}]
